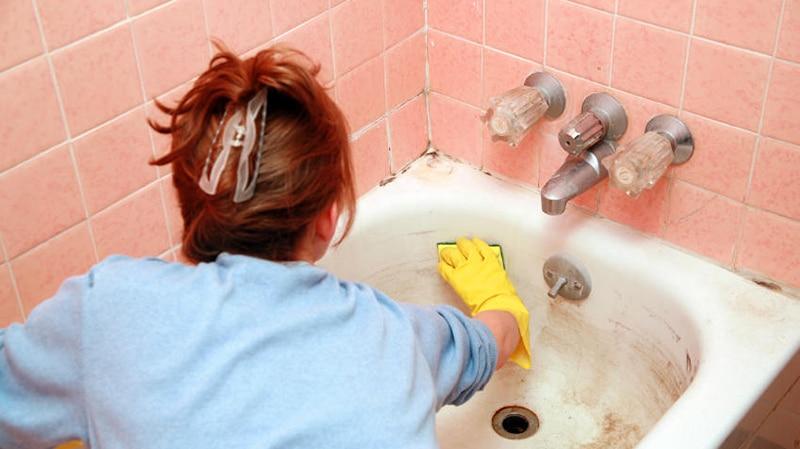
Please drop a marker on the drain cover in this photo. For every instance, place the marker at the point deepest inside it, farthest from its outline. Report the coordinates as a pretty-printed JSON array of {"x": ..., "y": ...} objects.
[{"x": 515, "y": 423}]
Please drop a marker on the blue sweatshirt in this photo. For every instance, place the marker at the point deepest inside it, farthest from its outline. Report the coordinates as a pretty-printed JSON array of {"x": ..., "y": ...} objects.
[{"x": 239, "y": 353}]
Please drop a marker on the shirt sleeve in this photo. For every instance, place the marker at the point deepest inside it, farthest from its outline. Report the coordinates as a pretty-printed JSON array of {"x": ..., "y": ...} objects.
[
  {"x": 41, "y": 394},
  {"x": 461, "y": 352}
]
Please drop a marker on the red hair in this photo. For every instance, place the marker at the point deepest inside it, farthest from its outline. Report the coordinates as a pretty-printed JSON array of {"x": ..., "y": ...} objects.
[{"x": 306, "y": 164}]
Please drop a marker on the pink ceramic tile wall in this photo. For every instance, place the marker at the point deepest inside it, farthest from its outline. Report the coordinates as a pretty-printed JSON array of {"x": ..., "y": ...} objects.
[
  {"x": 729, "y": 68},
  {"x": 75, "y": 89}
]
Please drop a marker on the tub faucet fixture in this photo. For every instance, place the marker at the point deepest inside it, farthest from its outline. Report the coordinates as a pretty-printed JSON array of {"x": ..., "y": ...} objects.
[
  {"x": 576, "y": 175},
  {"x": 602, "y": 117},
  {"x": 641, "y": 163},
  {"x": 513, "y": 113}
]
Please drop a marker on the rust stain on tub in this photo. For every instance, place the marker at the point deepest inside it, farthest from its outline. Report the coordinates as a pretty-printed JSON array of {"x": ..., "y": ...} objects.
[{"x": 619, "y": 376}]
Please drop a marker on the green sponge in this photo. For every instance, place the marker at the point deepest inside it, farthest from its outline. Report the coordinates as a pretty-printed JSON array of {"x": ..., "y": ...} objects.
[{"x": 498, "y": 250}]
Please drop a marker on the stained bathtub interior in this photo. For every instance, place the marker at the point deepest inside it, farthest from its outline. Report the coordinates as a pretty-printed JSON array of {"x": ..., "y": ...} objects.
[{"x": 605, "y": 369}]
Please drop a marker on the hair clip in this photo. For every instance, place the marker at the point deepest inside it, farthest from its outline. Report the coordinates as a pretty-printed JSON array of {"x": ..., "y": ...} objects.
[
  {"x": 209, "y": 178},
  {"x": 245, "y": 183},
  {"x": 239, "y": 132}
]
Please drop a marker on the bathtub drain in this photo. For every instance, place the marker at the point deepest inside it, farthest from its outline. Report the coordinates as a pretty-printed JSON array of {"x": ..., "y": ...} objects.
[{"x": 515, "y": 423}]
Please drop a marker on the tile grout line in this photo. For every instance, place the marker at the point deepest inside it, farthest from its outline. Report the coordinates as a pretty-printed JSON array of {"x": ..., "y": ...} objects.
[
  {"x": 426, "y": 91},
  {"x": 482, "y": 145},
  {"x": 383, "y": 55},
  {"x": 759, "y": 137},
  {"x": 13, "y": 277},
  {"x": 546, "y": 28},
  {"x": 685, "y": 77},
  {"x": 208, "y": 30},
  {"x": 670, "y": 176},
  {"x": 83, "y": 201},
  {"x": 334, "y": 74},
  {"x": 613, "y": 42}
]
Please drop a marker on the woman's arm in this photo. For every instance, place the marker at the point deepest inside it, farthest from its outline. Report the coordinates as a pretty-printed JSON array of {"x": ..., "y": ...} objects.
[
  {"x": 41, "y": 394},
  {"x": 504, "y": 327}
]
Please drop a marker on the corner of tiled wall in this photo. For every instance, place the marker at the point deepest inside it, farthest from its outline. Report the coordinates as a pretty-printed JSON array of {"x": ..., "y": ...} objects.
[
  {"x": 77, "y": 80},
  {"x": 730, "y": 69}
]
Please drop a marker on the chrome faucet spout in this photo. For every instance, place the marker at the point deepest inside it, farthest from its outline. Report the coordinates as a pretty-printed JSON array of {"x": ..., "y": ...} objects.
[{"x": 576, "y": 175}]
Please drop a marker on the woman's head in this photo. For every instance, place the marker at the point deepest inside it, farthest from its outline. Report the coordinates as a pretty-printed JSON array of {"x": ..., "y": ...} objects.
[{"x": 304, "y": 173}]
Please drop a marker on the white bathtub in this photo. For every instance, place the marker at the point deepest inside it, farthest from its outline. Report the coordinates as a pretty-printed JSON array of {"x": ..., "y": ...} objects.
[{"x": 669, "y": 351}]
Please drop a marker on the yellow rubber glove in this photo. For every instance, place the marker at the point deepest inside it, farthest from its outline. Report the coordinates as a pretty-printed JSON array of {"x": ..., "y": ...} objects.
[{"x": 475, "y": 273}]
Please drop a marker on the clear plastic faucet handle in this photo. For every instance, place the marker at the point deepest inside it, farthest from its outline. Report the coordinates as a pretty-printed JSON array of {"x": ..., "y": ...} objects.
[
  {"x": 512, "y": 114},
  {"x": 640, "y": 164}
]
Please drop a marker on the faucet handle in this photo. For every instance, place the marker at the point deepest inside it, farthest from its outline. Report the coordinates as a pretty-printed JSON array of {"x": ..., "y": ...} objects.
[
  {"x": 513, "y": 113},
  {"x": 581, "y": 133},
  {"x": 602, "y": 117},
  {"x": 640, "y": 164}
]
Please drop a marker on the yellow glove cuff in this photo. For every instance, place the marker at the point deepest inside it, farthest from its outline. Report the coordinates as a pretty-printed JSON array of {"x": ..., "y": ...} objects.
[{"x": 513, "y": 305}]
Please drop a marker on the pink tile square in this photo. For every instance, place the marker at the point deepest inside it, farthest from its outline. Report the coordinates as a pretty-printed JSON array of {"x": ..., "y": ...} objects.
[
  {"x": 745, "y": 24},
  {"x": 607, "y": 5},
  {"x": 502, "y": 72},
  {"x": 173, "y": 208},
  {"x": 26, "y": 130},
  {"x": 775, "y": 185},
  {"x": 782, "y": 115},
  {"x": 516, "y": 26},
  {"x": 722, "y": 157},
  {"x": 649, "y": 61},
  {"x": 405, "y": 70},
  {"x": 456, "y": 128},
  {"x": 409, "y": 129},
  {"x": 703, "y": 222},
  {"x": 789, "y": 40},
  {"x": 67, "y": 254},
  {"x": 136, "y": 7},
  {"x": 242, "y": 26},
  {"x": 579, "y": 40},
  {"x": 770, "y": 245},
  {"x": 460, "y": 17},
  {"x": 287, "y": 14},
  {"x": 65, "y": 21},
  {"x": 718, "y": 86},
  {"x": 98, "y": 78},
  {"x": 19, "y": 35},
  {"x": 455, "y": 67},
  {"x": 646, "y": 213},
  {"x": 357, "y": 33},
  {"x": 371, "y": 158},
  {"x": 401, "y": 19},
  {"x": 9, "y": 306},
  {"x": 136, "y": 226},
  {"x": 113, "y": 160},
  {"x": 520, "y": 163},
  {"x": 38, "y": 200},
  {"x": 361, "y": 93},
  {"x": 314, "y": 39},
  {"x": 675, "y": 14},
  {"x": 172, "y": 45},
  {"x": 639, "y": 111}
]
